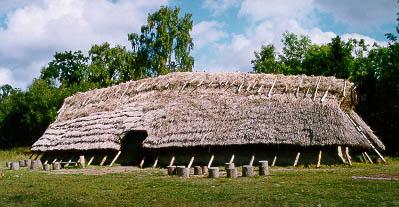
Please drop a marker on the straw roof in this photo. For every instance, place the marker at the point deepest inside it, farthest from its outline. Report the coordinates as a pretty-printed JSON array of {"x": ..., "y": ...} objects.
[{"x": 208, "y": 109}]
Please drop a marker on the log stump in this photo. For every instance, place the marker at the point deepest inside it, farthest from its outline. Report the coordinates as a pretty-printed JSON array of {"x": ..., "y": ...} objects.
[
  {"x": 229, "y": 165},
  {"x": 28, "y": 163},
  {"x": 263, "y": 168},
  {"x": 8, "y": 165},
  {"x": 204, "y": 170},
  {"x": 36, "y": 165},
  {"x": 179, "y": 170},
  {"x": 247, "y": 171},
  {"x": 213, "y": 172},
  {"x": 56, "y": 166},
  {"x": 82, "y": 161},
  {"x": 14, "y": 166},
  {"x": 46, "y": 167},
  {"x": 171, "y": 170},
  {"x": 22, "y": 163},
  {"x": 231, "y": 172},
  {"x": 197, "y": 170},
  {"x": 185, "y": 172}
]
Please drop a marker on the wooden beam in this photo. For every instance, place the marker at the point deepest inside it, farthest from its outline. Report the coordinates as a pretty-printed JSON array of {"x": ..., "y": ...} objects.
[
  {"x": 319, "y": 160},
  {"x": 210, "y": 161},
  {"x": 231, "y": 159},
  {"x": 271, "y": 88},
  {"x": 172, "y": 161},
  {"x": 115, "y": 158},
  {"x": 191, "y": 162},
  {"x": 348, "y": 157},
  {"x": 317, "y": 87},
  {"x": 90, "y": 161},
  {"x": 274, "y": 160},
  {"x": 368, "y": 157},
  {"x": 142, "y": 162},
  {"x": 155, "y": 162},
  {"x": 251, "y": 162},
  {"x": 297, "y": 159},
  {"x": 103, "y": 160}
]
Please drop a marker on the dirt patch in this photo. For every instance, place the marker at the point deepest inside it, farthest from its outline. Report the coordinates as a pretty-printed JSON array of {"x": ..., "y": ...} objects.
[
  {"x": 389, "y": 177},
  {"x": 102, "y": 170}
]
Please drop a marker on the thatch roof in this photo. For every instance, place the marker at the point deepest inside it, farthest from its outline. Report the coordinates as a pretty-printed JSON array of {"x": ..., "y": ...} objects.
[{"x": 208, "y": 109}]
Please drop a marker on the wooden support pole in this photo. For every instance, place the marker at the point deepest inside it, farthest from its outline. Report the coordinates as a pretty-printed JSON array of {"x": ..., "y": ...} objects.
[
  {"x": 38, "y": 154},
  {"x": 368, "y": 157},
  {"x": 142, "y": 162},
  {"x": 341, "y": 155},
  {"x": 55, "y": 160},
  {"x": 319, "y": 160},
  {"x": 103, "y": 160},
  {"x": 364, "y": 157},
  {"x": 191, "y": 162},
  {"x": 251, "y": 162},
  {"x": 260, "y": 89},
  {"x": 210, "y": 161},
  {"x": 348, "y": 157},
  {"x": 271, "y": 89},
  {"x": 90, "y": 161},
  {"x": 297, "y": 159},
  {"x": 344, "y": 89},
  {"x": 172, "y": 161},
  {"x": 69, "y": 161},
  {"x": 325, "y": 95},
  {"x": 274, "y": 160},
  {"x": 155, "y": 162},
  {"x": 231, "y": 159},
  {"x": 82, "y": 161},
  {"x": 115, "y": 158},
  {"x": 30, "y": 157}
]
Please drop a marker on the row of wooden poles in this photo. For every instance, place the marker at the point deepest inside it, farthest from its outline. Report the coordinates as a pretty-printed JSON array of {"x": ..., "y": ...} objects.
[{"x": 32, "y": 165}]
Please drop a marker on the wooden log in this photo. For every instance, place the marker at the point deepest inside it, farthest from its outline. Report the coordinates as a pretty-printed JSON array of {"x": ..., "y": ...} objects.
[
  {"x": 171, "y": 170},
  {"x": 251, "y": 162},
  {"x": 179, "y": 169},
  {"x": 271, "y": 88},
  {"x": 172, "y": 161},
  {"x": 348, "y": 157},
  {"x": 103, "y": 160},
  {"x": 297, "y": 159},
  {"x": 22, "y": 163},
  {"x": 274, "y": 161},
  {"x": 155, "y": 162},
  {"x": 185, "y": 172},
  {"x": 197, "y": 170},
  {"x": 210, "y": 161},
  {"x": 8, "y": 165},
  {"x": 229, "y": 165},
  {"x": 115, "y": 158},
  {"x": 82, "y": 161},
  {"x": 247, "y": 171},
  {"x": 56, "y": 166},
  {"x": 191, "y": 162},
  {"x": 14, "y": 166},
  {"x": 90, "y": 161},
  {"x": 204, "y": 169},
  {"x": 36, "y": 165},
  {"x": 231, "y": 172},
  {"x": 46, "y": 167},
  {"x": 142, "y": 162},
  {"x": 231, "y": 159},
  {"x": 263, "y": 168},
  {"x": 319, "y": 160},
  {"x": 368, "y": 157},
  {"x": 213, "y": 172}
]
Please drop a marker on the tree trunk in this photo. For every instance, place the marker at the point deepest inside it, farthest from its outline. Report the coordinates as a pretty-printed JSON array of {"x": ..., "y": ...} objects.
[
  {"x": 213, "y": 172},
  {"x": 247, "y": 171}
]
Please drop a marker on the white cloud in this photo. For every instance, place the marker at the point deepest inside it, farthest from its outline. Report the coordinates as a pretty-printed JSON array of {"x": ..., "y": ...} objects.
[
  {"x": 219, "y": 6},
  {"x": 5, "y": 76},
  {"x": 207, "y": 32},
  {"x": 36, "y": 31}
]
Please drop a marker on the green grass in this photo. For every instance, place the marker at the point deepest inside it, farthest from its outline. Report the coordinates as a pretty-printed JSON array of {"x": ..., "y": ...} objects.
[{"x": 328, "y": 186}]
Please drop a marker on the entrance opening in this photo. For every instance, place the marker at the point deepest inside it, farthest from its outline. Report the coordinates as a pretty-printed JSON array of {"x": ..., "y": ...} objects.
[{"x": 132, "y": 147}]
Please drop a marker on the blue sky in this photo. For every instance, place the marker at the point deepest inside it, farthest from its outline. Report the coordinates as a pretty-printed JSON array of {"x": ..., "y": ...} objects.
[{"x": 226, "y": 32}]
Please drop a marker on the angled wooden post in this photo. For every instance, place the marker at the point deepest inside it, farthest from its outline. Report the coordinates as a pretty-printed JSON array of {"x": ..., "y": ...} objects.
[
  {"x": 341, "y": 155},
  {"x": 368, "y": 157},
  {"x": 191, "y": 162},
  {"x": 319, "y": 160},
  {"x": 210, "y": 161},
  {"x": 251, "y": 162},
  {"x": 297, "y": 159},
  {"x": 90, "y": 161},
  {"x": 142, "y": 162},
  {"x": 274, "y": 160},
  {"x": 155, "y": 162},
  {"x": 231, "y": 159},
  {"x": 116, "y": 157},
  {"x": 348, "y": 157},
  {"x": 103, "y": 160},
  {"x": 172, "y": 161}
]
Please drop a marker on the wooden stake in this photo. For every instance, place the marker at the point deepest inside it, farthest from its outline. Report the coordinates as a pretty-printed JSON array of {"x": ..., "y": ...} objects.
[
  {"x": 271, "y": 89},
  {"x": 103, "y": 160},
  {"x": 251, "y": 162},
  {"x": 90, "y": 161},
  {"x": 341, "y": 155},
  {"x": 297, "y": 159},
  {"x": 348, "y": 156},
  {"x": 231, "y": 159},
  {"x": 55, "y": 160},
  {"x": 274, "y": 160},
  {"x": 239, "y": 88},
  {"x": 116, "y": 157},
  {"x": 142, "y": 162},
  {"x": 69, "y": 161},
  {"x": 325, "y": 95},
  {"x": 364, "y": 157},
  {"x": 317, "y": 87},
  {"x": 306, "y": 94},
  {"x": 319, "y": 160},
  {"x": 368, "y": 157},
  {"x": 155, "y": 162},
  {"x": 297, "y": 92},
  {"x": 191, "y": 162},
  {"x": 210, "y": 161},
  {"x": 260, "y": 89},
  {"x": 37, "y": 156},
  {"x": 30, "y": 157},
  {"x": 172, "y": 161}
]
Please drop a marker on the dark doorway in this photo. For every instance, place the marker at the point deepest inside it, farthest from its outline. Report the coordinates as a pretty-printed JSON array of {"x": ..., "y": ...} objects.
[{"x": 132, "y": 147}]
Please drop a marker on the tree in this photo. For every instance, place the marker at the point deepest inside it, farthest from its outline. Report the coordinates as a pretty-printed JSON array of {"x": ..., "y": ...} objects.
[
  {"x": 165, "y": 43},
  {"x": 265, "y": 60},
  {"x": 294, "y": 51},
  {"x": 6, "y": 90},
  {"x": 341, "y": 58}
]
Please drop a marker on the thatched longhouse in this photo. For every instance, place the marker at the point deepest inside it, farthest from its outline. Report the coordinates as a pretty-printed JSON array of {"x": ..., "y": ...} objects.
[{"x": 185, "y": 114}]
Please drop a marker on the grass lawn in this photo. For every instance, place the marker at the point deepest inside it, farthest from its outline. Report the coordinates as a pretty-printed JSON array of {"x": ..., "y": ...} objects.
[{"x": 328, "y": 186}]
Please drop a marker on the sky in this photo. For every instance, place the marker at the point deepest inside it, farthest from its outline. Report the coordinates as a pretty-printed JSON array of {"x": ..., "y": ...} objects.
[{"x": 226, "y": 32}]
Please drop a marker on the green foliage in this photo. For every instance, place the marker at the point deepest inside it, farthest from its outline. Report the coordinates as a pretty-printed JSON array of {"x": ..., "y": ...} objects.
[
  {"x": 294, "y": 51},
  {"x": 265, "y": 60},
  {"x": 165, "y": 43}
]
